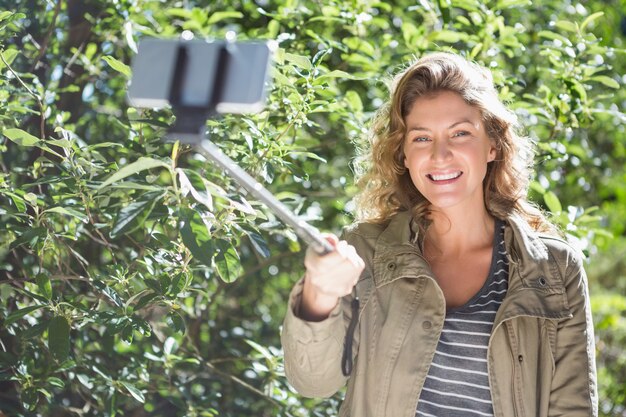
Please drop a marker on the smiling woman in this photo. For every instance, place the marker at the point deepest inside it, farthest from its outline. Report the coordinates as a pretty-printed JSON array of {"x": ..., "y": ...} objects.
[
  {"x": 446, "y": 151},
  {"x": 448, "y": 297}
]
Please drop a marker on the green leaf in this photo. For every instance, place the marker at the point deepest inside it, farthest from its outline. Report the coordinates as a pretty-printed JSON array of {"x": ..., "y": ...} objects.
[
  {"x": 134, "y": 391},
  {"x": 176, "y": 322},
  {"x": 118, "y": 66},
  {"x": 45, "y": 287},
  {"x": 109, "y": 292},
  {"x": 505, "y": 4},
  {"x": 177, "y": 285},
  {"x": 340, "y": 74},
  {"x": 59, "y": 338},
  {"x": 608, "y": 81},
  {"x": 552, "y": 201},
  {"x": 196, "y": 237},
  {"x": 30, "y": 398},
  {"x": 68, "y": 212},
  {"x": 448, "y": 36},
  {"x": 567, "y": 26},
  {"x": 144, "y": 300},
  {"x": 17, "y": 200},
  {"x": 576, "y": 89},
  {"x": 300, "y": 61},
  {"x": 139, "y": 165},
  {"x": 20, "y": 137},
  {"x": 265, "y": 352},
  {"x": 444, "y": 8},
  {"x": 219, "y": 16},
  {"x": 134, "y": 214},
  {"x": 56, "y": 382},
  {"x": 554, "y": 36},
  {"x": 170, "y": 346},
  {"x": 590, "y": 19},
  {"x": 18, "y": 314},
  {"x": 259, "y": 244},
  {"x": 9, "y": 56},
  {"x": 354, "y": 101},
  {"x": 30, "y": 237},
  {"x": 227, "y": 262}
]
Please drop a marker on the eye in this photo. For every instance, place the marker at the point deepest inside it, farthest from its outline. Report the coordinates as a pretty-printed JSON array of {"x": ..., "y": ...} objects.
[
  {"x": 461, "y": 133},
  {"x": 420, "y": 139}
]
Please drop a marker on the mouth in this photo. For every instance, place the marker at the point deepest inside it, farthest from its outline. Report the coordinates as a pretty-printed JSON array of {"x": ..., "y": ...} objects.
[{"x": 444, "y": 177}]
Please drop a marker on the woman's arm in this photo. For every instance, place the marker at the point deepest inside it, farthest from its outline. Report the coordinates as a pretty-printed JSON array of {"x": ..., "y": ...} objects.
[
  {"x": 317, "y": 318},
  {"x": 574, "y": 387}
]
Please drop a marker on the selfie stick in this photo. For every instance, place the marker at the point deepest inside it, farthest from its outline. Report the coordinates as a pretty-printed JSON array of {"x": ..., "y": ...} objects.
[
  {"x": 306, "y": 232},
  {"x": 201, "y": 76}
]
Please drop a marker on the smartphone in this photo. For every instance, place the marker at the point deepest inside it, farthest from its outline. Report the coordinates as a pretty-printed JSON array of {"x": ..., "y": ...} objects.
[{"x": 218, "y": 76}]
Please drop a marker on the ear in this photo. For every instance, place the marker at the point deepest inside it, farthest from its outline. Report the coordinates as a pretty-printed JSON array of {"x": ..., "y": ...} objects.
[{"x": 491, "y": 156}]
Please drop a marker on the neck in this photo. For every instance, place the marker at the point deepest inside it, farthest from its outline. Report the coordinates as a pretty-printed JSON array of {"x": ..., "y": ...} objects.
[{"x": 455, "y": 233}]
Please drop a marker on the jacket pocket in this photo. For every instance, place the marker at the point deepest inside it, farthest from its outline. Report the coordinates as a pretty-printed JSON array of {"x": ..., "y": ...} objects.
[{"x": 517, "y": 384}]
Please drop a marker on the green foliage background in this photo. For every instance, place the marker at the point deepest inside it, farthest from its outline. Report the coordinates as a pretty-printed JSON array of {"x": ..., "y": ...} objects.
[{"x": 138, "y": 280}]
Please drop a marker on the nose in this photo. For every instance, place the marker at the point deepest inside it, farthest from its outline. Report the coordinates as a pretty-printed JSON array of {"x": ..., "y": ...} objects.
[{"x": 440, "y": 150}]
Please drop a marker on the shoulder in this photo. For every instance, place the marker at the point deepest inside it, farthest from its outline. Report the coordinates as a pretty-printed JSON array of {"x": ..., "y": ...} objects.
[
  {"x": 363, "y": 236},
  {"x": 368, "y": 238},
  {"x": 363, "y": 230},
  {"x": 541, "y": 252},
  {"x": 565, "y": 254},
  {"x": 394, "y": 230}
]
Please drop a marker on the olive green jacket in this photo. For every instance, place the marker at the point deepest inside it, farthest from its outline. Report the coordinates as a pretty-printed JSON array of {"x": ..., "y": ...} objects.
[{"x": 541, "y": 356}]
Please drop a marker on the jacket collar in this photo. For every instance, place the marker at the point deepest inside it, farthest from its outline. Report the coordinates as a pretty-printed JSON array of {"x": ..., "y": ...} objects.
[{"x": 536, "y": 286}]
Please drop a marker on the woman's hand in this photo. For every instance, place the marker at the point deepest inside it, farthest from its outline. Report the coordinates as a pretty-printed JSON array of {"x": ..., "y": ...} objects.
[{"x": 328, "y": 277}]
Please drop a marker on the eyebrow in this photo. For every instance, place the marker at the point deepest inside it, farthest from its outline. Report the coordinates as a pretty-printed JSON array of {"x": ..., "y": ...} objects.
[{"x": 452, "y": 126}]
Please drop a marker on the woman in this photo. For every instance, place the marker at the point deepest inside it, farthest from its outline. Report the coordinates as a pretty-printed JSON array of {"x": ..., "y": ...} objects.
[{"x": 452, "y": 296}]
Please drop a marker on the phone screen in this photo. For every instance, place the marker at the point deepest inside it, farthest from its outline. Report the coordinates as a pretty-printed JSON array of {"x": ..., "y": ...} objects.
[{"x": 227, "y": 77}]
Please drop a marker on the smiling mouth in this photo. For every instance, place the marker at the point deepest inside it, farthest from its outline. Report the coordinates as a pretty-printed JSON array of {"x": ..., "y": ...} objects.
[{"x": 445, "y": 177}]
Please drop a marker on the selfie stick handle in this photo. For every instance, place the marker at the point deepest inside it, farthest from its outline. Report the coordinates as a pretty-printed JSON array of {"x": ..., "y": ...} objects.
[{"x": 305, "y": 231}]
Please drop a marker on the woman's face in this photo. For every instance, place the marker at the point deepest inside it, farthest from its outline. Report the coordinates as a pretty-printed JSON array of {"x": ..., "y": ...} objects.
[{"x": 446, "y": 150}]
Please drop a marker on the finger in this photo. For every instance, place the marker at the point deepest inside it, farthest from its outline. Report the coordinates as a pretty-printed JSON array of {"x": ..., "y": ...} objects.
[
  {"x": 331, "y": 238},
  {"x": 349, "y": 253}
]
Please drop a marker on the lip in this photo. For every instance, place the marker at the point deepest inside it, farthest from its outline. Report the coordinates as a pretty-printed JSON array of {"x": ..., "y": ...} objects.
[{"x": 444, "y": 177}]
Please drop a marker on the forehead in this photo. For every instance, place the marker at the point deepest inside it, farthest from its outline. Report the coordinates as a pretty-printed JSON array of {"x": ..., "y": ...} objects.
[{"x": 443, "y": 106}]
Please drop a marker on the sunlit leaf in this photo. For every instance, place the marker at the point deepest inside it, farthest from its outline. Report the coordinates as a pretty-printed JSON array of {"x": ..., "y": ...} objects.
[
  {"x": 227, "y": 262},
  {"x": 20, "y": 137},
  {"x": 68, "y": 211},
  {"x": 553, "y": 202},
  {"x": 134, "y": 391},
  {"x": 197, "y": 238},
  {"x": 133, "y": 215},
  {"x": 589, "y": 19},
  {"x": 340, "y": 74},
  {"x": 219, "y": 16},
  {"x": 18, "y": 314},
  {"x": 141, "y": 164},
  {"x": 259, "y": 244},
  {"x": 118, "y": 66},
  {"x": 299, "y": 60},
  {"x": 608, "y": 81}
]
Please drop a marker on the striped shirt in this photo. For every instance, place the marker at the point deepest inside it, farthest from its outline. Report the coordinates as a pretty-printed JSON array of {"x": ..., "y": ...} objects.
[{"x": 457, "y": 383}]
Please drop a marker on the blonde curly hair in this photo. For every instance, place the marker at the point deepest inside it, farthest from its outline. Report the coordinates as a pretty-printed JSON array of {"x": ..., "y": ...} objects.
[{"x": 384, "y": 182}]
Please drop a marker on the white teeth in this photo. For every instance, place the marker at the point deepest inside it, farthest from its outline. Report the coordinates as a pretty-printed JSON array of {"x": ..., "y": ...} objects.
[{"x": 443, "y": 177}]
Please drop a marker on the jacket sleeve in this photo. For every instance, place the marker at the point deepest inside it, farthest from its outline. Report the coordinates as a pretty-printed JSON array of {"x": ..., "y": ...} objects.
[
  {"x": 574, "y": 387},
  {"x": 313, "y": 350}
]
